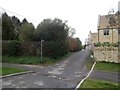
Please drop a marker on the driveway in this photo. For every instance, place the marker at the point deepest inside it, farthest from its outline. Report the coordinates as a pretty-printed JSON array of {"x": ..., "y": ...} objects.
[{"x": 65, "y": 74}]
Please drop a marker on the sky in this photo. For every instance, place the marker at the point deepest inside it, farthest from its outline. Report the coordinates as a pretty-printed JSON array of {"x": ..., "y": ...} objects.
[{"x": 80, "y": 14}]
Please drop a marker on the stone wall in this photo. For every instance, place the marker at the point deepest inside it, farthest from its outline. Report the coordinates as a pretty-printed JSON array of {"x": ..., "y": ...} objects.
[{"x": 108, "y": 54}]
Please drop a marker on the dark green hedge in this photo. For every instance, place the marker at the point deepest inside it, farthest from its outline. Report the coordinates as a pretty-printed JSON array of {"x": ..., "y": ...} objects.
[
  {"x": 10, "y": 48},
  {"x": 50, "y": 48},
  {"x": 55, "y": 49}
]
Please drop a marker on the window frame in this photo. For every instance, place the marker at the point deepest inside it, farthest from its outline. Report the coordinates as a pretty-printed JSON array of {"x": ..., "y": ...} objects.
[{"x": 106, "y": 32}]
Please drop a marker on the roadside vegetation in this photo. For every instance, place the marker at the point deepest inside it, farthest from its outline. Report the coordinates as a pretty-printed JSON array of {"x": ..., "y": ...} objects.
[
  {"x": 23, "y": 43},
  {"x": 90, "y": 60},
  {"x": 104, "y": 66},
  {"x": 9, "y": 70},
  {"x": 92, "y": 83},
  {"x": 33, "y": 59}
]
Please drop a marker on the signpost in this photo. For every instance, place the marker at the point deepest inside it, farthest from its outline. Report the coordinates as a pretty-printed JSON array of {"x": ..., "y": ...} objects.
[{"x": 41, "y": 49}]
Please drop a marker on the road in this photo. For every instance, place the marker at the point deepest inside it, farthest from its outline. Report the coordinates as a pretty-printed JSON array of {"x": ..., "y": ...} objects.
[{"x": 65, "y": 74}]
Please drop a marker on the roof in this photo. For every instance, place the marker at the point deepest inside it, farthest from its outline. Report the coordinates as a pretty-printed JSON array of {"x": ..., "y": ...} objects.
[{"x": 104, "y": 22}]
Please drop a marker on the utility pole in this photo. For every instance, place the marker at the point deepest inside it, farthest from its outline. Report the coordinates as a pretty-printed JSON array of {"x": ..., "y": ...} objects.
[{"x": 41, "y": 49}]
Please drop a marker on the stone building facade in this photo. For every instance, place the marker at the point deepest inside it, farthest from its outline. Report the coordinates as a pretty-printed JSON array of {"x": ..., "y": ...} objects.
[
  {"x": 92, "y": 38},
  {"x": 105, "y": 32},
  {"x": 108, "y": 32}
]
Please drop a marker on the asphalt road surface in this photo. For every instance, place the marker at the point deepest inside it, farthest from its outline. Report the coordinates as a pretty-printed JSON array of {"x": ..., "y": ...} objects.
[{"x": 65, "y": 74}]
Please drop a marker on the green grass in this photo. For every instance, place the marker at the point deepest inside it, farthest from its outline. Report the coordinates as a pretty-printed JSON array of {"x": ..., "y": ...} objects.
[
  {"x": 32, "y": 59},
  {"x": 9, "y": 70},
  {"x": 105, "y": 66},
  {"x": 90, "y": 83}
]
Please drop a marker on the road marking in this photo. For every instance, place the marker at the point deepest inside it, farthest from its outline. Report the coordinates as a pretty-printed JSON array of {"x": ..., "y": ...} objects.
[
  {"x": 85, "y": 77},
  {"x": 61, "y": 68},
  {"x": 78, "y": 72},
  {"x": 77, "y": 76},
  {"x": 39, "y": 83},
  {"x": 55, "y": 71}
]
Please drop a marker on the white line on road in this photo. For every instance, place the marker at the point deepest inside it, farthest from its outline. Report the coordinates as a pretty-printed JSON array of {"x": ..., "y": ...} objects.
[{"x": 85, "y": 77}]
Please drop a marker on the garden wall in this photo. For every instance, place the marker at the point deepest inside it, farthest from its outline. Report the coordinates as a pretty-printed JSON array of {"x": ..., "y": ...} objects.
[{"x": 108, "y": 54}]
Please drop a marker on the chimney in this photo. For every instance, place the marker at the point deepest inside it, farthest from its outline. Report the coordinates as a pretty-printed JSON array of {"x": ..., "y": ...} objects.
[{"x": 98, "y": 23}]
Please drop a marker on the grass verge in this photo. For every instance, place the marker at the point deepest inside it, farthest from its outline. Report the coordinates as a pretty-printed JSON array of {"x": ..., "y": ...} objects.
[
  {"x": 32, "y": 59},
  {"x": 105, "y": 66},
  {"x": 9, "y": 70},
  {"x": 90, "y": 61},
  {"x": 93, "y": 83}
]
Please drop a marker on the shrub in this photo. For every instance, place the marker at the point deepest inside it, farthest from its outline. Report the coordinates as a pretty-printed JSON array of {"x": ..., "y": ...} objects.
[
  {"x": 54, "y": 49},
  {"x": 10, "y": 48},
  {"x": 106, "y": 44},
  {"x": 115, "y": 44},
  {"x": 97, "y": 44},
  {"x": 30, "y": 48},
  {"x": 74, "y": 44}
]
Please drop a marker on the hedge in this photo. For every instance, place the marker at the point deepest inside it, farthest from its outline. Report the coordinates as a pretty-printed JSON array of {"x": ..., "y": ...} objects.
[
  {"x": 10, "y": 48},
  {"x": 52, "y": 49}
]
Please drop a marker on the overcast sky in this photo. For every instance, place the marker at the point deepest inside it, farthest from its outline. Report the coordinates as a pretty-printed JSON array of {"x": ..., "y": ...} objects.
[{"x": 81, "y": 14}]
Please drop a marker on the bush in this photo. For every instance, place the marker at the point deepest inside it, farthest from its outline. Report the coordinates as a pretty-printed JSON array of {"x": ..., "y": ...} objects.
[
  {"x": 10, "y": 48},
  {"x": 50, "y": 48},
  {"x": 106, "y": 44},
  {"x": 30, "y": 48},
  {"x": 54, "y": 49},
  {"x": 74, "y": 44},
  {"x": 115, "y": 44},
  {"x": 97, "y": 44}
]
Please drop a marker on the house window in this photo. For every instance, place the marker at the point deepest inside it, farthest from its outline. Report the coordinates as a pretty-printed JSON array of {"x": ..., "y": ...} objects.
[{"x": 106, "y": 32}]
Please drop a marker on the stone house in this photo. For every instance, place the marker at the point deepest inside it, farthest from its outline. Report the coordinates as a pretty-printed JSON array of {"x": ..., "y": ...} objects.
[
  {"x": 92, "y": 39},
  {"x": 105, "y": 32},
  {"x": 108, "y": 32}
]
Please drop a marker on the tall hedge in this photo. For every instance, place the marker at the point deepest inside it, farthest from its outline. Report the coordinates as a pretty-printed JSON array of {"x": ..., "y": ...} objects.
[{"x": 10, "y": 48}]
